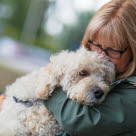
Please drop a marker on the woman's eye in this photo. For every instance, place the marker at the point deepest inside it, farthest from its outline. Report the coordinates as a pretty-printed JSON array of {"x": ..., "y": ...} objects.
[{"x": 83, "y": 73}]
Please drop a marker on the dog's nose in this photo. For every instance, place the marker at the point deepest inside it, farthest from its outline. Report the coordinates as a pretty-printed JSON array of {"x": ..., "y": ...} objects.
[{"x": 98, "y": 92}]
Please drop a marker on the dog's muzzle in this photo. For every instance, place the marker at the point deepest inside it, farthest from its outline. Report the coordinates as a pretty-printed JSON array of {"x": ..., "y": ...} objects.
[
  {"x": 94, "y": 96},
  {"x": 98, "y": 92}
]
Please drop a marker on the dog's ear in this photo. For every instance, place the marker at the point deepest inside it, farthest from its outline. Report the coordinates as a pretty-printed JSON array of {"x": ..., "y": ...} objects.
[
  {"x": 49, "y": 77},
  {"x": 47, "y": 81}
]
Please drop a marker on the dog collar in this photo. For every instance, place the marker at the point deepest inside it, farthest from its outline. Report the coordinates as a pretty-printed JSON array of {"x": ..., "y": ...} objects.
[{"x": 27, "y": 103}]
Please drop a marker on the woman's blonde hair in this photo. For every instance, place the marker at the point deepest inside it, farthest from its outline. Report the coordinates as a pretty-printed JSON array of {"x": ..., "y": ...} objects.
[{"x": 115, "y": 23}]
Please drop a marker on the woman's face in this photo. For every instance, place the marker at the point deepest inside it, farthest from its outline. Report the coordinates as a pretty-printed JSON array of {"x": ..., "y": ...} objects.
[{"x": 120, "y": 63}]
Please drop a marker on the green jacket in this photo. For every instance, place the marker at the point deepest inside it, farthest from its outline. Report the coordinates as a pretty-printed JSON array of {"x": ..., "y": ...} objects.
[{"x": 116, "y": 116}]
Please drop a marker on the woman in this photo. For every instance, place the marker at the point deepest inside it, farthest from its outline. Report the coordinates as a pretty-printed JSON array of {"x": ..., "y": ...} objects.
[{"x": 111, "y": 32}]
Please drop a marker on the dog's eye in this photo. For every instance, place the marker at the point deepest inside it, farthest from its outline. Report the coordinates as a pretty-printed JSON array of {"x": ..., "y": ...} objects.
[{"x": 83, "y": 73}]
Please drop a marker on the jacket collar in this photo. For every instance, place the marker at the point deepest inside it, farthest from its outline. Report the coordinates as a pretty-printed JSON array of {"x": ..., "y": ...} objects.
[{"x": 131, "y": 80}]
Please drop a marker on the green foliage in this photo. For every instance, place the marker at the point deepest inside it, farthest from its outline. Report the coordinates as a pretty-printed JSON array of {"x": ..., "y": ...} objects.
[
  {"x": 71, "y": 35},
  {"x": 13, "y": 27}
]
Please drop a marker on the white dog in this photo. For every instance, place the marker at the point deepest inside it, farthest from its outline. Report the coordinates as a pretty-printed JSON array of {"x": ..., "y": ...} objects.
[{"x": 84, "y": 76}]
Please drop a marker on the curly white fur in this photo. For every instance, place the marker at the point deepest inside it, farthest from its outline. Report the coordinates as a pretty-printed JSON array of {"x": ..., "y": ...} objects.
[{"x": 17, "y": 119}]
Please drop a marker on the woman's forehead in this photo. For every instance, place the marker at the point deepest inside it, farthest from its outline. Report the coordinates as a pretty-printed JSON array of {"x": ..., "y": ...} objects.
[
  {"x": 109, "y": 36},
  {"x": 105, "y": 41}
]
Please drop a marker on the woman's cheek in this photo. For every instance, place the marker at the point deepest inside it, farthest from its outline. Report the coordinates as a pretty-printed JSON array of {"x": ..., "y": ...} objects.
[{"x": 114, "y": 61}]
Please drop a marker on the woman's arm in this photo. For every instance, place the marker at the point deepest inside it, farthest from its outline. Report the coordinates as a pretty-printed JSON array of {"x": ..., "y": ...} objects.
[{"x": 116, "y": 115}]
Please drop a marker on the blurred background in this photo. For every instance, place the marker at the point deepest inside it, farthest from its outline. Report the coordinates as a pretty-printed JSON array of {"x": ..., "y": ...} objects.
[{"x": 32, "y": 30}]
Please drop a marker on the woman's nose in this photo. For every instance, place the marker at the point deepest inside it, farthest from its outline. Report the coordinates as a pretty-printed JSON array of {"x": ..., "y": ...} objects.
[{"x": 103, "y": 53}]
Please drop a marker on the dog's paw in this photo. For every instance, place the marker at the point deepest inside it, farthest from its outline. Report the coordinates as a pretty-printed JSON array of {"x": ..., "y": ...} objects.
[
  {"x": 43, "y": 92},
  {"x": 77, "y": 97}
]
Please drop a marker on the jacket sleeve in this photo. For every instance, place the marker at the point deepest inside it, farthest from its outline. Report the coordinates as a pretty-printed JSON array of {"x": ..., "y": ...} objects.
[{"x": 114, "y": 116}]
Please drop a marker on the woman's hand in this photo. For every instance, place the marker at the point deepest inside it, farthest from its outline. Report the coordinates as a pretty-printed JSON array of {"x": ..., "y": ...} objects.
[{"x": 2, "y": 97}]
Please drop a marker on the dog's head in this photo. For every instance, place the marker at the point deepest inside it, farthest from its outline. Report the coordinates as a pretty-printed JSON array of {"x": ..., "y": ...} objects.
[{"x": 84, "y": 75}]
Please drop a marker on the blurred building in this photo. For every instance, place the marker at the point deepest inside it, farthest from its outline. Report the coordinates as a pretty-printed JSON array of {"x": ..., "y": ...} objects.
[
  {"x": 17, "y": 59},
  {"x": 20, "y": 57}
]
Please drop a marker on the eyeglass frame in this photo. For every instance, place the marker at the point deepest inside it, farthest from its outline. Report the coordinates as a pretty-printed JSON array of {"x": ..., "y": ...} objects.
[{"x": 105, "y": 50}]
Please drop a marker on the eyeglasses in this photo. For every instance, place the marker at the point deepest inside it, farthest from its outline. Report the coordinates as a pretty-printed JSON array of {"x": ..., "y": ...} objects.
[{"x": 114, "y": 54}]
